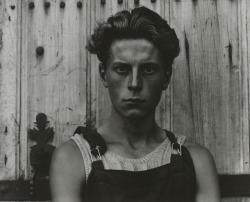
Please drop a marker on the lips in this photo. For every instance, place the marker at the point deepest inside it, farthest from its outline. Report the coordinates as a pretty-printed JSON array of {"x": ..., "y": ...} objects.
[{"x": 134, "y": 101}]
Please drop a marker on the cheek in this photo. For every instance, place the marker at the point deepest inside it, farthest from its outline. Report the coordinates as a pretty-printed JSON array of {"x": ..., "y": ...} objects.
[
  {"x": 116, "y": 86},
  {"x": 155, "y": 89},
  {"x": 113, "y": 84}
]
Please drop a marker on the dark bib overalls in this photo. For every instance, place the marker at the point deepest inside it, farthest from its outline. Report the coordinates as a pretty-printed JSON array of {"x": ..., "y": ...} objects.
[{"x": 168, "y": 183}]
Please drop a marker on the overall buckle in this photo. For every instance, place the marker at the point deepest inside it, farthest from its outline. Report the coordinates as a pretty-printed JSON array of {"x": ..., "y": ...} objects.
[
  {"x": 93, "y": 152},
  {"x": 175, "y": 147}
]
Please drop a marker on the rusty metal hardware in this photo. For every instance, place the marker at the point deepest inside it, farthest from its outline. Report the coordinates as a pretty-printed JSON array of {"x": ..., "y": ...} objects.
[
  {"x": 39, "y": 50},
  {"x": 79, "y": 4},
  {"x": 31, "y": 5},
  {"x": 47, "y": 4},
  {"x": 103, "y": 2},
  {"x": 120, "y": 1},
  {"x": 62, "y": 4},
  {"x": 136, "y": 2}
]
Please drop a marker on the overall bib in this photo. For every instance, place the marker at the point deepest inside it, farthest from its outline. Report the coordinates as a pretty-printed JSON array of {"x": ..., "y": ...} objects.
[{"x": 173, "y": 182}]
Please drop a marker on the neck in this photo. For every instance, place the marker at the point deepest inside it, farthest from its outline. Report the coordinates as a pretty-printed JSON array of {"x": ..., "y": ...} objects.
[{"x": 131, "y": 130}]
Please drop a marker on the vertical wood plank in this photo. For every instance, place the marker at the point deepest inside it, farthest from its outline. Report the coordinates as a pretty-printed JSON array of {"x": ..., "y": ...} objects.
[
  {"x": 210, "y": 82},
  {"x": 244, "y": 63},
  {"x": 9, "y": 68}
]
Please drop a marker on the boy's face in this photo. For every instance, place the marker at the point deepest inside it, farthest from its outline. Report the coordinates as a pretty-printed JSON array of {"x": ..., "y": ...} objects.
[{"x": 135, "y": 77}]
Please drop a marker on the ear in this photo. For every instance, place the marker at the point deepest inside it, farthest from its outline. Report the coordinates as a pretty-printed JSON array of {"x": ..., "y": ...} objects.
[
  {"x": 102, "y": 72},
  {"x": 167, "y": 80}
]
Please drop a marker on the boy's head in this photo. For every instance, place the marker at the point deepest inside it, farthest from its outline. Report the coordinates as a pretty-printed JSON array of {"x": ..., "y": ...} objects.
[{"x": 140, "y": 23}]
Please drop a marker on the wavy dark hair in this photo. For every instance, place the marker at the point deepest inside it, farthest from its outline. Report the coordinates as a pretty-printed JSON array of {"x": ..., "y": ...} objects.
[{"x": 139, "y": 23}]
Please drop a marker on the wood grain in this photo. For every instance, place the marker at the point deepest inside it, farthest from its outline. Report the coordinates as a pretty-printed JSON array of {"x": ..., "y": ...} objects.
[
  {"x": 210, "y": 95},
  {"x": 54, "y": 83},
  {"x": 9, "y": 69}
]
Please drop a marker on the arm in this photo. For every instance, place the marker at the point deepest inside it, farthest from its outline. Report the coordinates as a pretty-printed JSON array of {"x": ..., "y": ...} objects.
[
  {"x": 206, "y": 174},
  {"x": 67, "y": 174}
]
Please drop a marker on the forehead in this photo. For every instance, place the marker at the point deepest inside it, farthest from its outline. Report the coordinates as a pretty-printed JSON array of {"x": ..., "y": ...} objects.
[{"x": 134, "y": 50}]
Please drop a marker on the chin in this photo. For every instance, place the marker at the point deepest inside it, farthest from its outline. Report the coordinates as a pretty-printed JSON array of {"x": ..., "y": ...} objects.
[{"x": 135, "y": 115}]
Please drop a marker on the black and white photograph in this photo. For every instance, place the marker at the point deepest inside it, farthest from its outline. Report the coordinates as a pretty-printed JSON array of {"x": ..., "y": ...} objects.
[{"x": 125, "y": 100}]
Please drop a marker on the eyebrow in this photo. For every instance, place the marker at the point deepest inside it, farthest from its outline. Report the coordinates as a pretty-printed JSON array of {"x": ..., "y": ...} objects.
[{"x": 120, "y": 63}]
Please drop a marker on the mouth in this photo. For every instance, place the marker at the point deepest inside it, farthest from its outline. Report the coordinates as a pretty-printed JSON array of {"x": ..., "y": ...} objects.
[{"x": 133, "y": 101}]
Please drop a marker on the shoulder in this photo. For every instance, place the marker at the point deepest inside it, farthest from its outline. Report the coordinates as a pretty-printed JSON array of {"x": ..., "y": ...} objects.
[
  {"x": 67, "y": 154},
  {"x": 205, "y": 171},
  {"x": 67, "y": 174},
  {"x": 201, "y": 156},
  {"x": 198, "y": 152}
]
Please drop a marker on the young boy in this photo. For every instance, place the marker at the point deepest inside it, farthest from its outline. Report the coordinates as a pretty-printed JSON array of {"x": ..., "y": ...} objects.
[{"x": 130, "y": 158}]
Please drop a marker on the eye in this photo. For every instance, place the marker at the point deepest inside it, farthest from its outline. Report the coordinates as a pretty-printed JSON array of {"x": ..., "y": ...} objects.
[
  {"x": 121, "y": 69},
  {"x": 149, "y": 69}
]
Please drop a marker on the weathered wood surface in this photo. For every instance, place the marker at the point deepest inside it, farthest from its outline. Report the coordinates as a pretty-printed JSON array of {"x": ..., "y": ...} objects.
[
  {"x": 9, "y": 78},
  {"x": 55, "y": 82},
  {"x": 207, "y": 100},
  {"x": 211, "y": 89}
]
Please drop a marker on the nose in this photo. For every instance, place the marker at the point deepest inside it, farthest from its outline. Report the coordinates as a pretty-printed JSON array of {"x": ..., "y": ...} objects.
[{"x": 135, "y": 81}]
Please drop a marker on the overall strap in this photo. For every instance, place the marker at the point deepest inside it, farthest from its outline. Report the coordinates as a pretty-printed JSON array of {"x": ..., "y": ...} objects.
[
  {"x": 96, "y": 142},
  {"x": 171, "y": 137},
  {"x": 182, "y": 153},
  {"x": 175, "y": 147}
]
